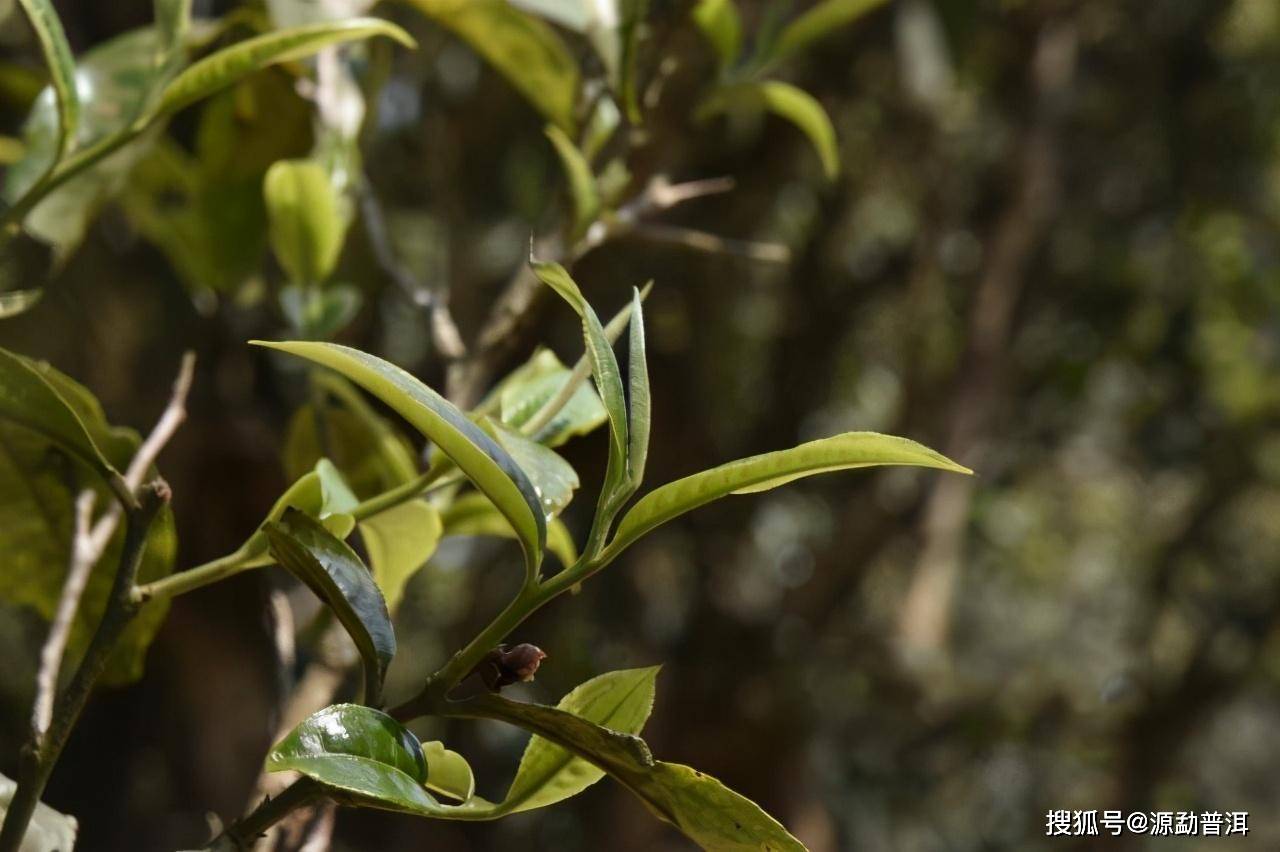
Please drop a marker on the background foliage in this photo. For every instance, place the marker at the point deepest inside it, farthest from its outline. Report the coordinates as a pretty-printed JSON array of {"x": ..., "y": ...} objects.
[{"x": 1050, "y": 252}]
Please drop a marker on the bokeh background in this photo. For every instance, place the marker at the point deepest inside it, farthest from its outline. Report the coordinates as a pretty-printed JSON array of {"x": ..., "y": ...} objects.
[{"x": 1053, "y": 253}]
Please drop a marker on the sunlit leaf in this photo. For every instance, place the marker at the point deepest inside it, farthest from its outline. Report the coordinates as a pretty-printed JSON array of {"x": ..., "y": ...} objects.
[
  {"x": 321, "y": 493},
  {"x": 399, "y": 541},
  {"x": 786, "y": 101},
  {"x": 228, "y": 65},
  {"x": 818, "y": 21},
  {"x": 448, "y": 773},
  {"x": 473, "y": 514},
  {"x": 553, "y": 478},
  {"x": 582, "y": 184},
  {"x": 17, "y": 302},
  {"x": 62, "y": 69},
  {"x": 718, "y": 20},
  {"x": 306, "y": 228},
  {"x": 538, "y": 381},
  {"x": 524, "y": 50},
  {"x": 759, "y": 473},
  {"x": 638, "y": 407},
  {"x": 335, "y": 573},
  {"x": 486, "y": 464}
]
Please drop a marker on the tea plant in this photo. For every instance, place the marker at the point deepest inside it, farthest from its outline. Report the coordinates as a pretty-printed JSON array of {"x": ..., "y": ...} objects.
[{"x": 91, "y": 536}]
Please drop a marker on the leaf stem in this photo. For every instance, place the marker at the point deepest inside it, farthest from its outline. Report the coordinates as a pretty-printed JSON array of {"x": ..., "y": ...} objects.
[{"x": 242, "y": 833}]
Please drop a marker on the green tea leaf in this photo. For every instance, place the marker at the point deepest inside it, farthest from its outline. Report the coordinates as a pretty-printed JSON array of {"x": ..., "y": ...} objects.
[
  {"x": 173, "y": 19},
  {"x": 358, "y": 750},
  {"x": 719, "y": 22},
  {"x": 306, "y": 227},
  {"x": 399, "y": 541},
  {"x": 17, "y": 302},
  {"x": 321, "y": 493},
  {"x": 536, "y": 382},
  {"x": 335, "y": 573},
  {"x": 524, "y": 50},
  {"x": 820, "y": 20},
  {"x": 582, "y": 184},
  {"x": 320, "y": 313},
  {"x": 486, "y": 464},
  {"x": 762, "y": 472},
  {"x": 620, "y": 701},
  {"x": 448, "y": 772},
  {"x": 638, "y": 407},
  {"x": 62, "y": 70},
  {"x": 232, "y": 63},
  {"x": 707, "y": 812},
  {"x": 553, "y": 478},
  {"x": 473, "y": 514},
  {"x": 786, "y": 101},
  {"x": 608, "y": 379}
]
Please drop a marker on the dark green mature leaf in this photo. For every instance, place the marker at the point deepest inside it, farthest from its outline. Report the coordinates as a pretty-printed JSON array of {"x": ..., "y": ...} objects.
[
  {"x": 121, "y": 74},
  {"x": 608, "y": 379},
  {"x": 29, "y": 398},
  {"x": 306, "y": 227},
  {"x": 582, "y": 184},
  {"x": 40, "y": 478},
  {"x": 335, "y": 573},
  {"x": 230, "y": 64},
  {"x": 707, "y": 812},
  {"x": 473, "y": 514},
  {"x": 357, "y": 750},
  {"x": 399, "y": 541},
  {"x": 786, "y": 101},
  {"x": 638, "y": 407},
  {"x": 762, "y": 472},
  {"x": 535, "y": 383},
  {"x": 553, "y": 478},
  {"x": 719, "y": 22},
  {"x": 620, "y": 701},
  {"x": 818, "y": 21},
  {"x": 486, "y": 464},
  {"x": 17, "y": 302},
  {"x": 524, "y": 50},
  {"x": 62, "y": 70},
  {"x": 448, "y": 772}
]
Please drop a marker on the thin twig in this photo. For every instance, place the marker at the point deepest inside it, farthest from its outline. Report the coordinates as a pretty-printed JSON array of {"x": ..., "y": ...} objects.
[{"x": 702, "y": 241}]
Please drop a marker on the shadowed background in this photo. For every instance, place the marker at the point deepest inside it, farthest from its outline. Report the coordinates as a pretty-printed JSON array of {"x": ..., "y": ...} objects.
[{"x": 1052, "y": 253}]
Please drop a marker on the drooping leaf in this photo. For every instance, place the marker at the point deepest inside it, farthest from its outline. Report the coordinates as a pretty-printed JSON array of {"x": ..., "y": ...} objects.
[
  {"x": 608, "y": 379},
  {"x": 62, "y": 70},
  {"x": 719, "y": 22},
  {"x": 524, "y": 393},
  {"x": 819, "y": 21},
  {"x": 638, "y": 407},
  {"x": 762, "y": 472},
  {"x": 786, "y": 101},
  {"x": 335, "y": 573},
  {"x": 703, "y": 809},
  {"x": 120, "y": 74},
  {"x": 306, "y": 227},
  {"x": 448, "y": 772},
  {"x": 473, "y": 514},
  {"x": 40, "y": 478},
  {"x": 228, "y": 65},
  {"x": 399, "y": 541},
  {"x": 486, "y": 464},
  {"x": 524, "y": 50},
  {"x": 17, "y": 302},
  {"x": 620, "y": 701},
  {"x": 582, "y": 184},
  {"x": 553, "y": 478},
  {"x": 49, "y": 830}
]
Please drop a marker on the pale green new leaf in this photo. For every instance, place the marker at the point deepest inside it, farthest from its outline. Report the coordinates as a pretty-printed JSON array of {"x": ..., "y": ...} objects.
[
  {"x": 448, "y": 773},
  {"x": 819, "y": 21},
  {"x": 335, "y": 573},
  {"x": 786, "y": 101},
  {"x": 553, "y": 478},
  {"x": 173, "y": 20},
  {"x": 523, "y": 49},
  {"x": 638, "y": 406},
  {"x": 17, "y": 302},
  {"x": 762, "y": 472},
  {"x": 533, "y": 385},
  {"x": 473, "y": 514},
  {"x": 620, "y": 701},
  {"x": 321, "y": 493},
  {"x": 230, "y": 64},
  {"x": 582, "y": 184},
  {"x": 484, "y": 462},
  {"x": 399, "y": 541},
  {"x": 306, "y": 227},
  {"x": 62, "y": 70},
  {"x": 719, "y": 22}
]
